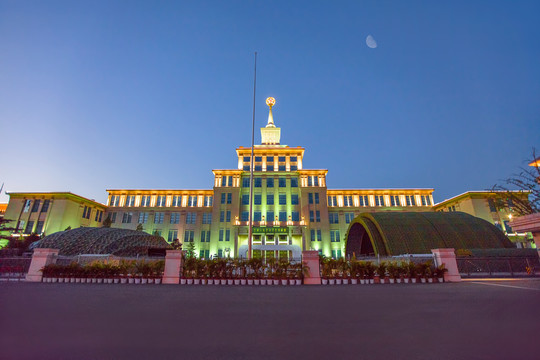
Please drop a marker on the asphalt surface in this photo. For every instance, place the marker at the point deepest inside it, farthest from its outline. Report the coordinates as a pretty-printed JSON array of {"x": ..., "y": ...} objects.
[{"x": 469, "y": 320}]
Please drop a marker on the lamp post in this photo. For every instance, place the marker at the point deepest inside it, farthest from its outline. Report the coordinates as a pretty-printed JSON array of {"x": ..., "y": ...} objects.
[{"x": 250, "y": 234}]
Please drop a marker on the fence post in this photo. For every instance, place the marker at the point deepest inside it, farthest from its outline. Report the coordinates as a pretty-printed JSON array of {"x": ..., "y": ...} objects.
[
  {"x": 448, "y": 258},
  {"x": 40, "y": 258},
  {"x": 173, "y": 264},
  {"x": 311, "y": 260}
]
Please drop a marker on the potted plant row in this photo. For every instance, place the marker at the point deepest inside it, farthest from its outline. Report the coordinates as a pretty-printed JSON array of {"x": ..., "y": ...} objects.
[{"x": 123, "y": 272}]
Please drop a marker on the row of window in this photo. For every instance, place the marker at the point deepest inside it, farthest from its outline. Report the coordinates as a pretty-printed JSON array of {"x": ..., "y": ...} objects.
[
  {"x": 282, "y": 199},
  {"x": 379, "y": 200},
  {"x": 247, "y": 167},
  {"x": 317, "y": 236},
  {"x": 270, "y": 159},
  {"x": 159, "y": 217},
  {"x": 161, "y": 200},
  {"x": 257, "y": 182},
  {"x": 28, "y": 229},
  {"x": 282, "y": 216},
  {"x": 35, "y": 207},
  {"x": 333, "y": 217}
]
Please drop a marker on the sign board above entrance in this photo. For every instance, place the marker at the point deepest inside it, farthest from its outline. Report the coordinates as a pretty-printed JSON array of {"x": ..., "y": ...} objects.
[{"x": 270, "y": 230}]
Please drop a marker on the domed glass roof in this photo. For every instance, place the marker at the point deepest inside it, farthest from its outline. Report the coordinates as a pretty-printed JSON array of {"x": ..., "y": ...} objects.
[{"x": 88, "y": 240}]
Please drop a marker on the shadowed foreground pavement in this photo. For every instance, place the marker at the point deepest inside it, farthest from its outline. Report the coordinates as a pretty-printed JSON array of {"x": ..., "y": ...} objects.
[{"x": 436, "y": 321}]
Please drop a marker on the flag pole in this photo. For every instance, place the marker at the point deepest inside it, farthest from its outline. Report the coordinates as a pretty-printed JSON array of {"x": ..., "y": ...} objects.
[{"x": 250, "y": 235}]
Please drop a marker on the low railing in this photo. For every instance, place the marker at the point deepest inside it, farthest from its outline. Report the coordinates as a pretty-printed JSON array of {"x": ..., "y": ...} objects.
[
  {"x": 14, "y": 268},
  {"x": 498, "y": 266}
]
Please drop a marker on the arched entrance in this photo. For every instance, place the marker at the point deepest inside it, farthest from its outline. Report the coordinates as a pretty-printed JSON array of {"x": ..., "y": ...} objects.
[{"x": 358, "y": 242}]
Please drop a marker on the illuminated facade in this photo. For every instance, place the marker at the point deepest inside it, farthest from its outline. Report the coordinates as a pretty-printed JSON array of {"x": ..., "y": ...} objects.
[{"x": 293, "y": 210}]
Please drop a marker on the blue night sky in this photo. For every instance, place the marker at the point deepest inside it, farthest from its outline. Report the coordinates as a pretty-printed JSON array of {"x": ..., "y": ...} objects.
[{"x": 103, "y": 95}]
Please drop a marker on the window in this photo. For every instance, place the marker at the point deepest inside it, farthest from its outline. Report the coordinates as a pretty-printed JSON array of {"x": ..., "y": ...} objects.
[
  {"x": 173, "y": 235},
  {"x": 258, "y": 158},
  {"x": 113, "y": 201},
  {"x": 294, "y": 199},
  {"x": 347, "y": 201},
  {"x": 281, "y": 158},
  {"x": 221, "y": 235},
  {"x": 258, "y": 168},
  {"x": 207, "y": 218},
  {"x": 270, "y": 182},
  {"x": 158, "y": 218},
  {"x": 222, "y": 216},
  {"x": 228, "y": 219},
  {"x": 333, "y": 217},
  {"x": 257, "y": 216},
  {"x": 316, "y": 198},
  {"x": 258, "y": 199},
  {"x": 244, "y": 216},
  {"x": 126, "y": 218},
  {"x": 191, "y": 218},
  {"x": 192, "y": 200},
  {"x": 311, "y": 216},
  {"x": 39, "y": 227},
  {"x": 220, "y": 253},
  {"x": 336, "y": 254},
  {"x": 334, "y": 235},
  {"x": 282, "y": 216},
  {"x": 223, "y": 198},
  {"x": 189, "y": 236},
  {"x": 269, "y": 159},
  {"x": 29, "y": 226},
  {"x": 45, "y": 206},
  {"x": 269, "y": 216},
  {"x": 227, "y": 235},
  {"x": 379, "y": 200},
  {"x": 507, "y": 227},
  {"x": 282, "y": 199},
  {"x": 98, "y": 216},
  {"x": 130, "y": 200},
  {"x": 349, "y": 217},
  {"x": 425, "y": 200},
  {"x": 177, "y": 200},
  {"x": 332, "y": 200},
  {"x": 160, "y": 200},
  {"x": 145, "y": 200},
  {"x": 246, "y": 167},
  {"x": 313, "y": 181},
  {"x": 310, "y": 198},
  {"x": 208, "y": 200},
  {"x": 245, "y": 182},
  {"x": 394, "y": 200},
  {"x": 364, "y": 200},
  {"x": 247, "y": 158},
  {"x": 226, "y": 181},
  {"x": 294, "y": 159},
  {"x": 229, "y": 198},
  {"x": 86, "y": 212},
  {"x": 410, "y": 200},
  {"x": 269, "y": 167},
  {"x": 245, "y": 199},
  {"x": 294, "y": 182},
  {"x": 270, "y": 199},
  {"x": 204, "y": 254},
  {"x": 281, "y": 168},
  {"x": 35, "y": 208},
  {"x": 175, "y": 218},
  {"x": 143, "y": 218},
  {"x": 313, "y": 235},
  {"x": 319, "y": 235},
  {"x": 317, "y": 216},
  {"x": 205, "y": 236},
  {"x": 257, "y": 182},
  {"x": 294, "y": 167},
  {"x": 282, "y": 182},
  {"x": 491, "y": 204},
  {"x": 295, "y": 216},
  {"x": 113, "y": 217}
]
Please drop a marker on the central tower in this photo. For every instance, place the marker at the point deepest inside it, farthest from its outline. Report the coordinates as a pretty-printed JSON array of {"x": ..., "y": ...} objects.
[{"x": 270, "y": 135}]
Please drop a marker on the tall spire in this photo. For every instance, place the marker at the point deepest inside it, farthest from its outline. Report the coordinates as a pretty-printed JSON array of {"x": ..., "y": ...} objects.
[
  {"x": 270, "y": 135},
  {"x": 270, "y": 102}
]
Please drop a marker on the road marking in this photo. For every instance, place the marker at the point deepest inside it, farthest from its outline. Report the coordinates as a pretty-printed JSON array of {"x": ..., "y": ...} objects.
[{"x": 509, "y": 286}]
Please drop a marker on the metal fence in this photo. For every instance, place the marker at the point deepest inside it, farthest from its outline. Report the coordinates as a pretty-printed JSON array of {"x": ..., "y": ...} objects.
[
  {"x": 498, "y": 266},
  {"x": 14, "y": 268},
  {"x": 85, "y": 259}
]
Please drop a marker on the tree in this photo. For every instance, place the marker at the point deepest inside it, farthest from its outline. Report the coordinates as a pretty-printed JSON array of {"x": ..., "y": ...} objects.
[
  {"x": 6, "y": 230},
  {"x": 68, "y": 228},
  {"x": 527, "y": 181},
  {"x": 140, "y": 228},
  {"x": 107, "y": 222},
  {"x": 190, "y": 250}
]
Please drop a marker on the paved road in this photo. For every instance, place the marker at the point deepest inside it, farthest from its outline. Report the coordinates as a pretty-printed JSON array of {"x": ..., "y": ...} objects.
[{"x": 470, "y": 320}]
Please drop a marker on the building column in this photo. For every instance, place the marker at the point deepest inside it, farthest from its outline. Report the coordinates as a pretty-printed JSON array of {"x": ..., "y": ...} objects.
[
  {"x": 311, "y": 260},
  {"x": 173, "y": 264},
  {"x": 448, "y": 258},
  {"x": 40, "y": 258}
]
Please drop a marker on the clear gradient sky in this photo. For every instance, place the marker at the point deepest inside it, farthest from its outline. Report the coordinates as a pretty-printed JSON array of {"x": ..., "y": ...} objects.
[{"x": 98, "y": 95}]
